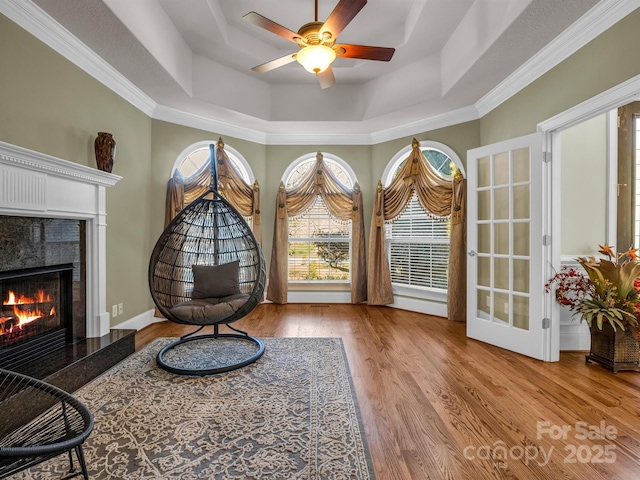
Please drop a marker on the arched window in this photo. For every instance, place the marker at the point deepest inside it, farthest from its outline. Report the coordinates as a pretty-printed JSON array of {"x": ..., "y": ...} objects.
[
  {"x": 417, "y": 242},
  {"x": 194, "y": 159},
  {"x": 191, "y": 176},
  {"x": 319, "y": 243}
]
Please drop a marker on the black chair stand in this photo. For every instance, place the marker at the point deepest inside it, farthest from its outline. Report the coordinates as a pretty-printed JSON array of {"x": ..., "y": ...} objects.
[{"x": 39, "y": 422}]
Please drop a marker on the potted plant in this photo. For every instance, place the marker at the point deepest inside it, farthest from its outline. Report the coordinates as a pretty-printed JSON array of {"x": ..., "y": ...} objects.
[{"x": 608, "y": 299}]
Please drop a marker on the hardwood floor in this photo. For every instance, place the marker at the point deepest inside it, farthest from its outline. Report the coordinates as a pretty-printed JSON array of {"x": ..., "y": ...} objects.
[{"x": 437, "y": 405}]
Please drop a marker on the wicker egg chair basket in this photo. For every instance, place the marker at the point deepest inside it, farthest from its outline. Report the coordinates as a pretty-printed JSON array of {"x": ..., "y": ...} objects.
[{"x": 208, "y": 232}]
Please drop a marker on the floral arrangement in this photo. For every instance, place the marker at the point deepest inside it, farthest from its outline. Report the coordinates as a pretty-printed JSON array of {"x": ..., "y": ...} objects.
[{"x": 609, "y": 292}]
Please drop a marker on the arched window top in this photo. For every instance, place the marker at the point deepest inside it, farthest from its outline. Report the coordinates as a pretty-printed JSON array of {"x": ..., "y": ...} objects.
[
  {"x": 417, "y": 244},
  {"x": 437, "y": 155},
  {"x": 301, "y": 166},
  {"x": 194, "y": 158}
]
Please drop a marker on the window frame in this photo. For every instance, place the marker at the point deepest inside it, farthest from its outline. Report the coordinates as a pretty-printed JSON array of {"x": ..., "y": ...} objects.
[
  {"x": 328, "y": 158},
  {"x": 426, "y": 293},
  {"x": 625, "y": 183},
  {"x": 232, "y": 153}
]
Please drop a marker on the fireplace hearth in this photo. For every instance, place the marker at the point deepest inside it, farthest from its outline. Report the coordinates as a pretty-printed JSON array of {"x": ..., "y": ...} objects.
[{"x": 36, "y": 313}]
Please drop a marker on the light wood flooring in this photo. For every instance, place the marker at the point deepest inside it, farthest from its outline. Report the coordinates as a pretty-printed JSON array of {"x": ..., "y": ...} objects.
[{"x": 437, "y": 405}]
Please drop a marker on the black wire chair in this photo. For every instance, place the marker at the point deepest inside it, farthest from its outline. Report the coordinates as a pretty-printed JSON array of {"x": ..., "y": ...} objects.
[
  {"x": 39, "y": 422},
  {"x": 208, "y": 233}
]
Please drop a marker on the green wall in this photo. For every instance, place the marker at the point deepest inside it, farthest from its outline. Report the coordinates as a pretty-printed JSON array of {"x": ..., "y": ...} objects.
[
  {"x": 610, "y": 59},
  {"x": 49, "y": 105}
]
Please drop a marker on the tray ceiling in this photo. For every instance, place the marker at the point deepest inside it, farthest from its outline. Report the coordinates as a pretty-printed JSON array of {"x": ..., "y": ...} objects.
[{"x": 195, "y": 56}]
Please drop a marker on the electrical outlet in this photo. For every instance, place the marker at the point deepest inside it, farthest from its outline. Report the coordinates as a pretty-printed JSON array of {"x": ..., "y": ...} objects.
[
  {"x": 506, "y": 308},
  {"x": 114, "y": 311},
  {"x": 120, "y": 308},
  {"x": 488, "y": 301}
]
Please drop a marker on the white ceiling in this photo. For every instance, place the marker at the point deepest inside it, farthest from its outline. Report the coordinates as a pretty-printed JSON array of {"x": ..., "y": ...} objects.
[{"x": 195, "y": 56}]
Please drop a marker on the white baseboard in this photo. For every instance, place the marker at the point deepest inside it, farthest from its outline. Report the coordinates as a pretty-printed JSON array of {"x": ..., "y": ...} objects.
[
  {"x": 319, "y": 297},
  {"x": 412, "y": 304},
  {"x": 575, "y": 336},
  {"x": 420, "y": 305},
  {"x": 139, "y": 321}
]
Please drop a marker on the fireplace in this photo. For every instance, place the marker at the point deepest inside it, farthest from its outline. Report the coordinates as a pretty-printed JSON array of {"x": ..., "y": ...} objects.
[
  {"x": 38, "y": 185},
  {"x": 36, "y": 313},
  {"x": 42, "y": 286},
  {"x": 53, "y": 213}
]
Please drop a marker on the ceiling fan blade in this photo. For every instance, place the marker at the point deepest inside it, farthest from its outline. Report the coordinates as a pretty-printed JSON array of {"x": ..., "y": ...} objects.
[
  {"x": 273, "y": 27},
  {"x": 326, "y": 78},
  {"x": 273, "y": 64},
  {"x": 364, "y": 52},
  {"x": 342, "y": 14}
]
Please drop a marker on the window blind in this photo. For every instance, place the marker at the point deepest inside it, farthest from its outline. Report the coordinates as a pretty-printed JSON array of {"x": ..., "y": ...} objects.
[{"x": 418, "y": 248}]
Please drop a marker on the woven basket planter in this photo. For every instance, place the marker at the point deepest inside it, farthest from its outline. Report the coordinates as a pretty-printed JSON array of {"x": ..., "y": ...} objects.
[{"x": 615, "y": 350}]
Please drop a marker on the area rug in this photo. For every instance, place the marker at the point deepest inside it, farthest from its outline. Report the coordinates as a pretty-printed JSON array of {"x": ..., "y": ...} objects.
[{"x": 291, "y": 415}]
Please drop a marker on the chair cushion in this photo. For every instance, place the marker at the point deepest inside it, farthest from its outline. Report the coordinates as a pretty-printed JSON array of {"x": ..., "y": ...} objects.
[
  {"x": 208, "y": 311},
  {"x": 216, "y": 281}
]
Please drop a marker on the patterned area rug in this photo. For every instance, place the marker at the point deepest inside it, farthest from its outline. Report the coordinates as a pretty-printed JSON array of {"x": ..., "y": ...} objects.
[{"x": 290, "y": 415}]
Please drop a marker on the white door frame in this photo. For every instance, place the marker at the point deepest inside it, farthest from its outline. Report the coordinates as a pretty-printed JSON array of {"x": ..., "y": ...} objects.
[{"x": 604, "y": 102}]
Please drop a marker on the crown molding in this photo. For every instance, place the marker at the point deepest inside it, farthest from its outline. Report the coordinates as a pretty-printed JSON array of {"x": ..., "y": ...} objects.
[
  {"x": 180, "y": 117},
  {"x": 600, "y": 18},
  {"x": 454, "y": 117},
  {"x": 173, "y": 115},
  {"x": 318, "y": 138},
  {"x": 39, "y": 24}
]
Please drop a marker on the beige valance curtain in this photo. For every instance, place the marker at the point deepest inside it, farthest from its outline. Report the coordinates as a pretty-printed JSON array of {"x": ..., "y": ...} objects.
[
  {"x": 343, "y": 203},
  {"x": 438, "y": 196},
  {"x": 244, "y": 197}
]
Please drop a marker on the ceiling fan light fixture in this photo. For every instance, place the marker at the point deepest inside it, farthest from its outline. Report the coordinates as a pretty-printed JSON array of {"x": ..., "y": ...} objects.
[{"x": 316, "y": 58}]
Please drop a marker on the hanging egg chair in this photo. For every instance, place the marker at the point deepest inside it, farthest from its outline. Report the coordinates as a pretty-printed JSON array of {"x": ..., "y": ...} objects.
[{"x": 207, "y": 269}]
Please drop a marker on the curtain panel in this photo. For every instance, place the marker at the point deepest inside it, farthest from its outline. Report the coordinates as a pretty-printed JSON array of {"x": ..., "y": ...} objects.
[
  {"x": 343, "y": 203},
  {"x": 441, "y": 198},
  {"x": 244, "y": 197}
]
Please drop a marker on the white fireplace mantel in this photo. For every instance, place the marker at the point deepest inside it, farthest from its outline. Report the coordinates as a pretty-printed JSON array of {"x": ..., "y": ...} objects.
[{"x": 33, "y": 184}]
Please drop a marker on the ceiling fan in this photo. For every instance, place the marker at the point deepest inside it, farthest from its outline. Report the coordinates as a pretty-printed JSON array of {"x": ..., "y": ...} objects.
[{"x": 317, "y": 42}]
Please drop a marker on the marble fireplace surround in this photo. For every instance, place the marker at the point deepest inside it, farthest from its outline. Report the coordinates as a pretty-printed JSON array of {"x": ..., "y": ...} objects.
[{"x": 33, "y": 184}]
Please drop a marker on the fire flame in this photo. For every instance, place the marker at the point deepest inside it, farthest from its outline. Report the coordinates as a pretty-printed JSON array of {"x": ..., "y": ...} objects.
[
  {"x": 40, "y": 297},
  {"x": 26, "y": 315}
]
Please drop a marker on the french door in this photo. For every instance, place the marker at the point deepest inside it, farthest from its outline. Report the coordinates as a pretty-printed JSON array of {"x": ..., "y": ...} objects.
[{"x": 505, "y": 285}]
